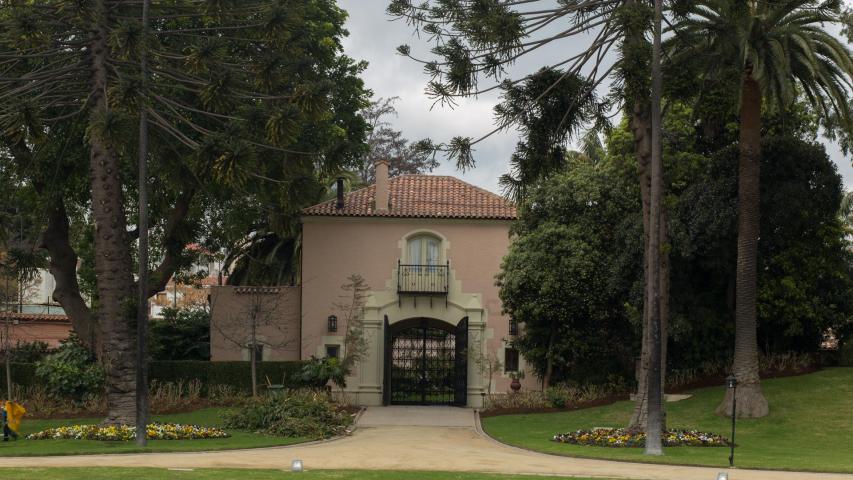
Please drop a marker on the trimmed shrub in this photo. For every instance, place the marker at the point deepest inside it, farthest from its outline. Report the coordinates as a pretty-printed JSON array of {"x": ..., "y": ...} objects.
[
  {"x": 215, "y": 378},
  {"x": 23, "y": 376},
  {"x": 846, "y": 353},
  {"x": 29, "y": 352},
  {"x": 294, "y": 413},
  {"x": 212, "y": 375}
]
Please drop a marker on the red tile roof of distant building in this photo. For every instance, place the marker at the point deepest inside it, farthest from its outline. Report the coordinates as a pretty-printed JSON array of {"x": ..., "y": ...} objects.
[
  {"x": 424, "y": 196},
  {"x": 35, "y": 317}
]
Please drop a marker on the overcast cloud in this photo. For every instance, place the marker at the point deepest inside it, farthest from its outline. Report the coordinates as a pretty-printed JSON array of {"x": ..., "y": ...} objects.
[{"x": 374, "y": 38}]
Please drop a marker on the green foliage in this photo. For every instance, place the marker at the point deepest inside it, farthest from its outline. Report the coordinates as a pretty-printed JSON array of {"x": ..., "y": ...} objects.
[
  {"x": 546, "y": 123},
  {"x": 570, "y": 272},
  {"x": 784, "y": 46},
  {"x": 317, "y": 372},
  {"x": 575, "y": 263},
  {"x": 295, "y": 413},
  {"x": 182, "y": 334},
  {"x": 474, "y": 42},
  {"x": 29, "y": 352},
  {"x": 71, "y": 372}
]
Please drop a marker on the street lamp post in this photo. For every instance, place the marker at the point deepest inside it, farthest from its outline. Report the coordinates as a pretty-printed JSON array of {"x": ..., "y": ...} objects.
[{"x": 731, "y": 383}]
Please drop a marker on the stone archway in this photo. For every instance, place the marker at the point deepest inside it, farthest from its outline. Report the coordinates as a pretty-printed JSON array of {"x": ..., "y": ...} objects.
[{"x": 426, "y": 362}]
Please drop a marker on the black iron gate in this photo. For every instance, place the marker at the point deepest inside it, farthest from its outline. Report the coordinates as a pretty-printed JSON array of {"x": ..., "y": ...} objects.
[{"x": 424, "y": 364}]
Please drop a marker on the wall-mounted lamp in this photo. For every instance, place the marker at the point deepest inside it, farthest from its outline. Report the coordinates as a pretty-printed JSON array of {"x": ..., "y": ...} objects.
[{"x": 333, "y": 323}]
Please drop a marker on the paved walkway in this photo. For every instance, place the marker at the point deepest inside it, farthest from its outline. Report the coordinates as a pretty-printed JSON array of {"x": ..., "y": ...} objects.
[{"x": 410, "y": 438}]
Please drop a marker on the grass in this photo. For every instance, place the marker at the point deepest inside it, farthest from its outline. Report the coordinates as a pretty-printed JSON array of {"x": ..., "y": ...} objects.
[
  {"x": 810, "y": 427},
  {"x": 209, "y": 417},
  {"x": 210, "y": 474}
]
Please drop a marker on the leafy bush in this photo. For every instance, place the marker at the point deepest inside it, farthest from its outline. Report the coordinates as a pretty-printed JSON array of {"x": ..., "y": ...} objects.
[
  {"x": 182, "y": 334},
  {"x": 527, "y": 399},
  {"x": 317, "y": 372},
  {"x": 29, "y": 352},
  {"x": 71, "y": 372},
  {"x": 294, "y": 413},
  {"x": 560, "y": 396}
]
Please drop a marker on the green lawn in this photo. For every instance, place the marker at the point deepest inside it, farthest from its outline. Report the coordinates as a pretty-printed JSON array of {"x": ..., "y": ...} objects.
[
  {"x": 221, "y": 474},
  {"x": 810, "y": 427},
  {"x": 209, "y": 417}
]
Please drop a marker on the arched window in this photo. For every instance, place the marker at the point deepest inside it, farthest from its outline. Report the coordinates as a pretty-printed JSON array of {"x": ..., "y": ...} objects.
[{"x": 424, "y": 250}]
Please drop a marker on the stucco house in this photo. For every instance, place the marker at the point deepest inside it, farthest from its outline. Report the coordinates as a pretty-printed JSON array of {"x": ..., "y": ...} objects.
[{"x": 429, "y": 248}]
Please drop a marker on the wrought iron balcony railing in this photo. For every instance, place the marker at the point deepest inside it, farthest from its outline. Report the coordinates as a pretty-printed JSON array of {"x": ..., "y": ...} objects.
[{"x": 423, "y": 279}]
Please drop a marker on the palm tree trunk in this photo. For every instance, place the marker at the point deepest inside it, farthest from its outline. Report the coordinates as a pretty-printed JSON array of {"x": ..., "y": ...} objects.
[
  {"x": 113, "y": 264},
  {"x": 750, "y": 399}
]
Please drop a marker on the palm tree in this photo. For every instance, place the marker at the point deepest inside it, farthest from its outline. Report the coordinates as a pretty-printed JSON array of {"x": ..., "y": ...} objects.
[
  {"x": 845, "y": 213},
  {"x": 781, "y": 52}
]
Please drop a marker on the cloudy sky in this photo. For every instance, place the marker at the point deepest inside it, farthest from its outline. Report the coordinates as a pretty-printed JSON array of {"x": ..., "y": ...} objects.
[{"x": 374, "y": 38}]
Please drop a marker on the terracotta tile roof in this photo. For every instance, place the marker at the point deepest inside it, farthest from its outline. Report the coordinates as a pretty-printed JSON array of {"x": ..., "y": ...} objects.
[
  {"x": 35, "y": 317},
  {"x": 425, "y": 196}
]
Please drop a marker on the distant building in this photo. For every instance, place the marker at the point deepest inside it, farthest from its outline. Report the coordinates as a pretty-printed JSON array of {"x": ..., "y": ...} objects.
[{"x": 36, "y": 327}]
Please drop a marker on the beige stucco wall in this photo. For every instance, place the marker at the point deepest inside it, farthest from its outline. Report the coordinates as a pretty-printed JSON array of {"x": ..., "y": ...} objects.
[
  {"x": 278, "y": 323},
  {"x": 336, "y": 247}
]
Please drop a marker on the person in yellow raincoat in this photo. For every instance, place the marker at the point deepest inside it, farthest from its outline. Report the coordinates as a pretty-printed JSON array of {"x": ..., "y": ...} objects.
[{"x": 12, "y": 414}]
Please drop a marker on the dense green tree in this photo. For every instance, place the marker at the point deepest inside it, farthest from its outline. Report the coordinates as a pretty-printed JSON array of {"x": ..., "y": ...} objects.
[
  {"x": 182, "y": 334},
  {"x": 779, "y": 50},
  {"x": 251, "y": 104},
  {"x": 546, "y": 124},
  {"x": 805, "y": 278},
  {"x": 569, "y": 275}
]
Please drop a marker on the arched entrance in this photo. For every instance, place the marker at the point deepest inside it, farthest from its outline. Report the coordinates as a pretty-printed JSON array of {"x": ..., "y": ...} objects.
[{"x": 426, "y": 362}]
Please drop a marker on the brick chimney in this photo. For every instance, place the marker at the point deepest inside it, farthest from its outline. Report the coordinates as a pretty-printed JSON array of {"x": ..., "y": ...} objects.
[
  {"x": 381, "y": 186},
  {"x": 339, "y": 189}
]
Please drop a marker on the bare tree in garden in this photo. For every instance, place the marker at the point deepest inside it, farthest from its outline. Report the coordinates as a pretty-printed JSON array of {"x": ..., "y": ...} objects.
[
  {"x": 242, "y": 98},
  {"x": 260, "y": 323},
  {"x": 352, "y": 307},
  {"x": 386, "y": 143},
  {"x": 474, "y": 40}
]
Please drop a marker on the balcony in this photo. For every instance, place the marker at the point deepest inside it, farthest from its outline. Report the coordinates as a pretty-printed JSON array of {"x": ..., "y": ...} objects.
[{"x": 422, "y": 279}]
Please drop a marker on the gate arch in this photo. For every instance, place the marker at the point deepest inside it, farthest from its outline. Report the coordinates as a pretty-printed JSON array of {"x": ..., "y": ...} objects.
[{"x": 425, "y": 362}]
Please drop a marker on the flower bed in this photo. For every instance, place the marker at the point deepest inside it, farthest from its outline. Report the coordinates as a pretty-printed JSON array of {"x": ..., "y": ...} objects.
[
  {"x": 156, "y": 431},
  {"x": 621, "y": 438}
]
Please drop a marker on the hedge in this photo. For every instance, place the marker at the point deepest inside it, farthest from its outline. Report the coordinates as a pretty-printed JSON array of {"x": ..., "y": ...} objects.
[
  {"x": 234, "y": 374},
  {"x": 23, "y": 375},
  {"x": 846, "y": 353}
]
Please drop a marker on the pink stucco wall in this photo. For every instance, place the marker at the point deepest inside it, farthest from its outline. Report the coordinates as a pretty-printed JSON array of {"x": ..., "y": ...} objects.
[
  {"x": 278, "y": 323},
  {"x": 51, "y": 333},
  {"x": 336, "y": 247}
]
